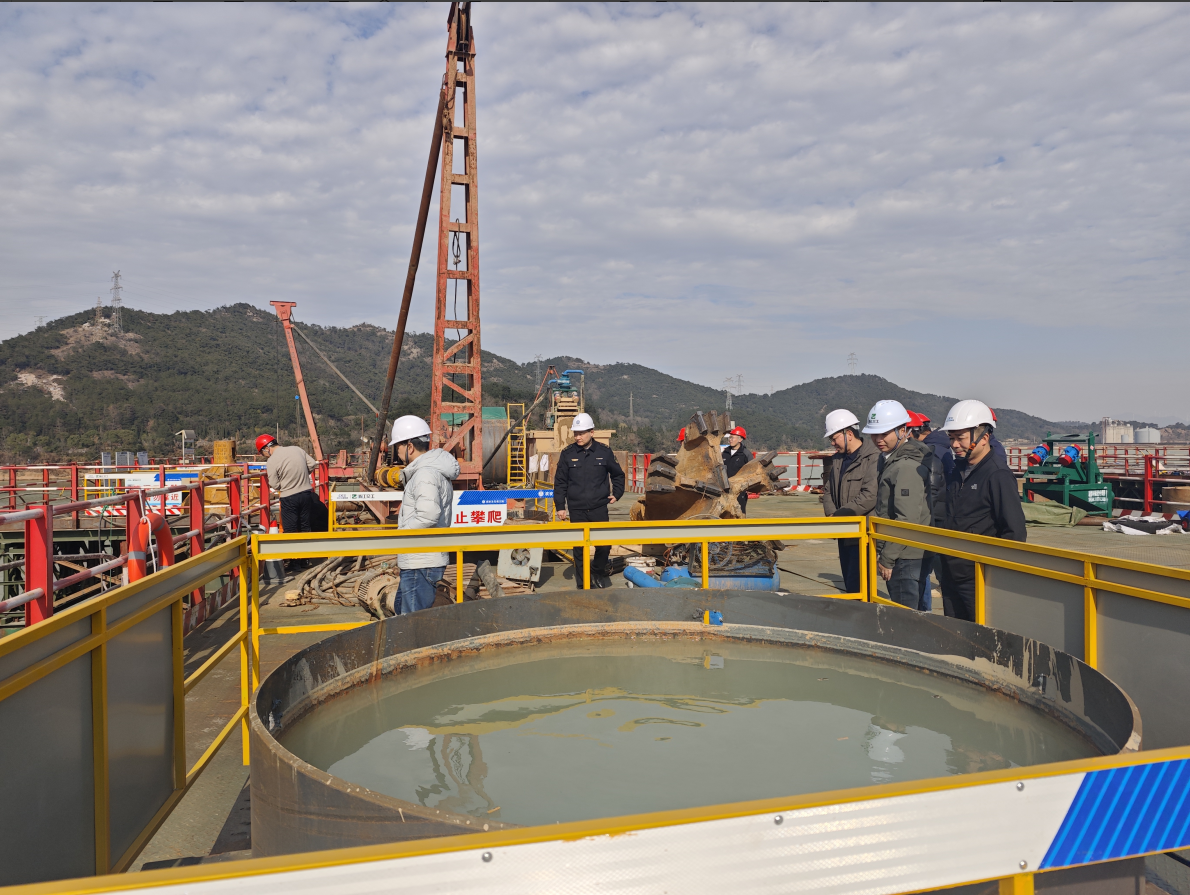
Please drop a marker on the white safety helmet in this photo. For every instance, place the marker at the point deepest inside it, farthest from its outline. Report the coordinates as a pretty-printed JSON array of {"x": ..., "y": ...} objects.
[
  {"x": 886, "y": 416},
  {"x": 968, "y": 415},
  {"x": 838, "y": 420},
  {"x": 582, "y": 423},
  {"x": 408, "y": 427}
]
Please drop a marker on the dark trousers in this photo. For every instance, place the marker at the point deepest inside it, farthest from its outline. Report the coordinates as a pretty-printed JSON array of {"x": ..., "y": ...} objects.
[
  {"x": 925, "y": 601},
  {"x": 902, "y": 586},
  {"x": 303, "y": 512},
  {"x": 849, "y": 564},
  {"x": 599, "y": 561},
  {"x": 958, "y": 587}
]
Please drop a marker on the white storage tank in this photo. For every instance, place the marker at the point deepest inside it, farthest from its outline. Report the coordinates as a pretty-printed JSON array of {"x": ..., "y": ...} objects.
[{"x": 1148, "y": 436}]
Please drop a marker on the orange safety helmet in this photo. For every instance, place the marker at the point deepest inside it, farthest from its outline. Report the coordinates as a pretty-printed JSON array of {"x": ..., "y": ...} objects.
[
  {"x": 263, "y": 441},
  {"x": 738, "y": 430},
  {"x": 682, "y": 434}
]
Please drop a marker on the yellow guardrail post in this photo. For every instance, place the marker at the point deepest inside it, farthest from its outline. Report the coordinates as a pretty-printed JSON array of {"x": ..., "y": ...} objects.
[
  {"x": 179, "y": 675},
  {"x": 873, "y": 584},
  {"x": 706, "y": 567},
  {"x": 249, "y": 662},
  {"x": 1021, "y": 884},
  {"x": 981, "y": 604},
  {"x": 587, "y": 548},
  {"x": 103, "y": 847},
  {"x": 458, "y": 576},
  {"x": 862, "y": 542},
  {"x": 1090, "y": 619}
]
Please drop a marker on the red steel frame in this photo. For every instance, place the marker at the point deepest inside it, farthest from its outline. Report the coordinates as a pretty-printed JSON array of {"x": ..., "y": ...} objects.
[
  {"x": 284, "y": 309},
  {"x": 39, "y": 581},
  {"x": 456, "y": 386}
]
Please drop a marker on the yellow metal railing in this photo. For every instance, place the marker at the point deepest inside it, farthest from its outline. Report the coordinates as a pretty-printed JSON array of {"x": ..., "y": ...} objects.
[
  {"x": 126, "y": 618},
  {"x": 1088, "y": 574},
  {"x": 518, "y": 463},
  {"x": 964, "y": 546}
]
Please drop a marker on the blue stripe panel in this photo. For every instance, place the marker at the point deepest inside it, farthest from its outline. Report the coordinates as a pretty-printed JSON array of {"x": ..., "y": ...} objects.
[
  {"x": 472, "y": 498},
  {"x": 1125, "y": 811}
]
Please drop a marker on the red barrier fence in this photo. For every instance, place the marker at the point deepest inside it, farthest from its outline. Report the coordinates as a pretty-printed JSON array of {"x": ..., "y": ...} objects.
[{"x": 134, "y": 504}]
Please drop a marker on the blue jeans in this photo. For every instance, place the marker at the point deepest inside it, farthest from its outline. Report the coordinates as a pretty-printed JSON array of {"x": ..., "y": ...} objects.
[
  {"x": 903, "y": 586},
  {"x": 925, "y": 602},
  {"x": 416, "y": 589}
]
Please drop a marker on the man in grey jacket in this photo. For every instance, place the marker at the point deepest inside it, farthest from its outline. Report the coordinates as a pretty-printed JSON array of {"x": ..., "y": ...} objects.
[
  {"x": 902, "y": 493},
  {"x": 426, "y": 503},
  {"x": 850, "y": 486}
]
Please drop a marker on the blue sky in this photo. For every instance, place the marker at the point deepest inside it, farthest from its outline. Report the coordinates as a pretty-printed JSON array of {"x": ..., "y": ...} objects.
[{"x": 978, "y": 200}]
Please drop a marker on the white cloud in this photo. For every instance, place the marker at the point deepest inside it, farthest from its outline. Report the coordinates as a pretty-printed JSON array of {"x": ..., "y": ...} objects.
[{"x": 975, "y": 199}]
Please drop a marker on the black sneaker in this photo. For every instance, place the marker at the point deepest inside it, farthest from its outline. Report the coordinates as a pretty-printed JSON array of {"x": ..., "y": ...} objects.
[{"x": 600, "y": 581}]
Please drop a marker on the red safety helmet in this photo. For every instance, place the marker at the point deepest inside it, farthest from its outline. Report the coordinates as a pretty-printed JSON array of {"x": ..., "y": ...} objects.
[
  {"x": 917, "y": 420},
  {"x": 738, "y": 430},
  {"x": 993, "y": 413},
  {"x": 263, "y": 441},
  {"x": 682, "y": 434}
]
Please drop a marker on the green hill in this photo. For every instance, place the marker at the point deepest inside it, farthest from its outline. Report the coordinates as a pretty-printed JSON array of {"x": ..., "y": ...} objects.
[{"x": 75, "y": 386}]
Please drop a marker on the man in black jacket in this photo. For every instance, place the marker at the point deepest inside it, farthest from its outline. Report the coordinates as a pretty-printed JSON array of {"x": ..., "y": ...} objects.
[
  {"x": 582, "y": 492},
  {"x": 982, "y": 498},
  {"x": 735, "y": 457}
]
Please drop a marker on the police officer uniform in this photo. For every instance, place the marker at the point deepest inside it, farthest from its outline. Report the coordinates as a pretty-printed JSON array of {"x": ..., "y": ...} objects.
[{"x": 581, "y": 487}]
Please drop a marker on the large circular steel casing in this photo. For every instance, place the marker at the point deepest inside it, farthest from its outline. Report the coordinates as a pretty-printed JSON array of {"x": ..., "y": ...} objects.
[{"x": 296, "y": 807}]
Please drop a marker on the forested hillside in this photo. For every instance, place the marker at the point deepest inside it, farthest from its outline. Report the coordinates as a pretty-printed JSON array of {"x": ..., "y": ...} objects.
[{"x": 76, "y": 386}]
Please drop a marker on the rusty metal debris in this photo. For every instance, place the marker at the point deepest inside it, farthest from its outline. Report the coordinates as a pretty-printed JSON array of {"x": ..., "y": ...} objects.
[
  {"x": 693, "y": 483},
  {"x": 367, "y": 581}
]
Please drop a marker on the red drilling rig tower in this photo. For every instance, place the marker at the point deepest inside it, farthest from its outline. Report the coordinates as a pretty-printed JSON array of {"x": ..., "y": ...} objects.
[{"x": 456, "y": 386}]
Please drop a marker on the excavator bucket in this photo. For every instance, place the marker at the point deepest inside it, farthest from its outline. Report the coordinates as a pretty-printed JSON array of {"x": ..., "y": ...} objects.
[{"x": 693, "y": 484}]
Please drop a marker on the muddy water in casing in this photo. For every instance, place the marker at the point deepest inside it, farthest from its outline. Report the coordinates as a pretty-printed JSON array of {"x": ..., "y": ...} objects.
[{"x": 584, "y": 729}]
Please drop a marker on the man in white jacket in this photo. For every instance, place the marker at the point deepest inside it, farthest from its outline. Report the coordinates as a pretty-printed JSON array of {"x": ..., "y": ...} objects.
[{"x": 428, "y": 496}]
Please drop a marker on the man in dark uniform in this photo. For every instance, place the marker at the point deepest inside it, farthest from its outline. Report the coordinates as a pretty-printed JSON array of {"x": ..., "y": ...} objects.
[
  {"x": 735, "y": 456},
  {"x": 582, "y": 492},
  {"x": 982, "y": 498}
]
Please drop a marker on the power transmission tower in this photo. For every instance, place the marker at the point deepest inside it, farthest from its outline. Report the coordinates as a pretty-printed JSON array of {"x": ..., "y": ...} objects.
[
  {"x": 852, "y": 363},
  {"x": 40, "y": 320},
  {"x": 631, "y": 415},
  {"x": 115, "y": 291},
  {"x": 98, "y": 310}
]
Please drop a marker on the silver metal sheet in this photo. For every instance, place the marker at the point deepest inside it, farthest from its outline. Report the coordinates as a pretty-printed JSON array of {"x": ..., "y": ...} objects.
[
  {"x": 170, "y": 582},
  {"x": 1040, "y": 608},
  {"x": 1144, "y": 647},
  {"x": 39, "y": 649},
  {"x": 140, "y": 726},
  {"x": 1165, "y": 584},
  {"x": 1009, "y": 552},
  {"x": 47, "y": 790}
]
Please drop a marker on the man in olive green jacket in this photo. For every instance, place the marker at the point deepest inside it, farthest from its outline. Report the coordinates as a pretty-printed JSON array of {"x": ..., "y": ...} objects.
[
  {"x": 850, "y": 485},
  {"x": 902, "y": 493}
]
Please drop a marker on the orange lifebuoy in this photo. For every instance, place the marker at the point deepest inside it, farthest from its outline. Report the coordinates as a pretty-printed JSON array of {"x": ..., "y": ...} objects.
[{"x": 138, "y": 545}]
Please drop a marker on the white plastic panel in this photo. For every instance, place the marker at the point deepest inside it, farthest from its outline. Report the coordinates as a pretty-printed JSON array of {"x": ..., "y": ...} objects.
[{"x": 877, "y": 847}]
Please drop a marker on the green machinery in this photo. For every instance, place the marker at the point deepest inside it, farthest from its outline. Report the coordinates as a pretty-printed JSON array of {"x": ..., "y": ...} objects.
[{"x": 1061, "y": 474}]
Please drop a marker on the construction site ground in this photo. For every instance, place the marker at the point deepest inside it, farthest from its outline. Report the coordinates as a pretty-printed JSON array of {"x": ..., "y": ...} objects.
[{"x": 212, "y": 821}]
